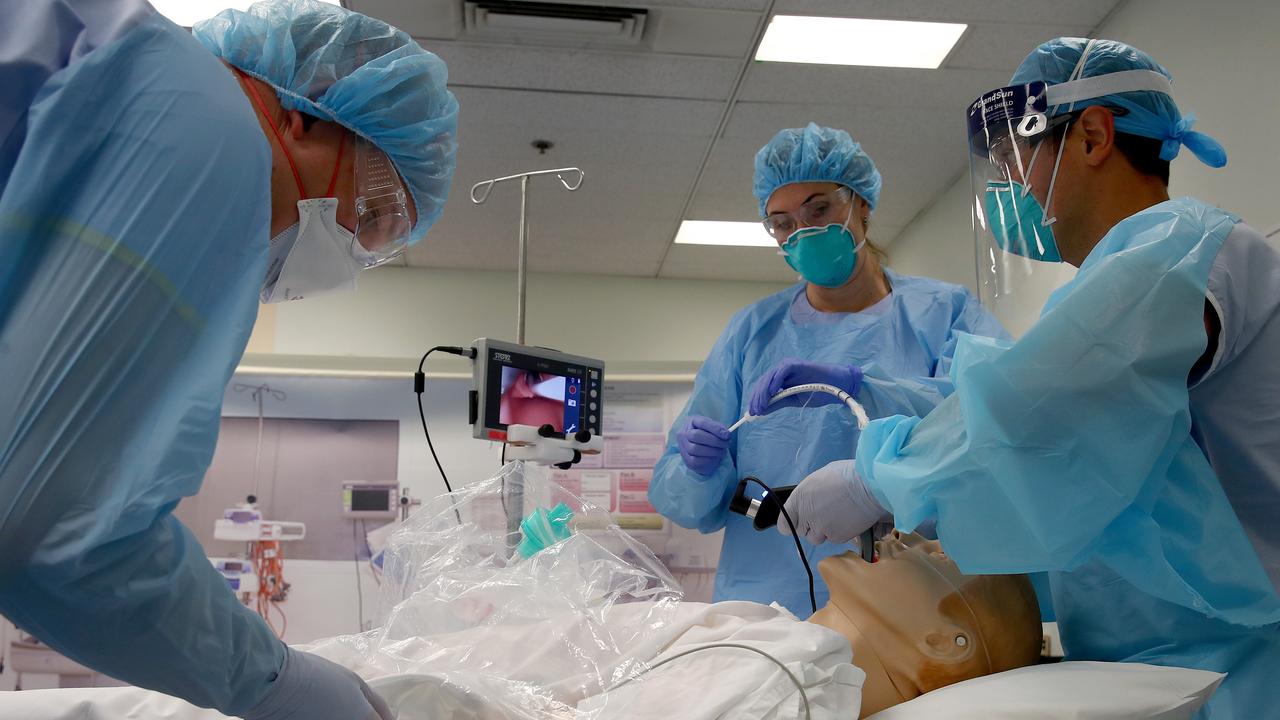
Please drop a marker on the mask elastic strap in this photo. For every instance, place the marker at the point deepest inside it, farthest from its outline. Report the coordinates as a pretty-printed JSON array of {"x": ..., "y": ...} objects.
[
  {"x": 257, "y": 98},
  {"x": 1076, "y": 72},
  {"x": 856, "y": 246},
  {"x": 1026, "y": 175},
  {"x": 337, "y": 165},
  {"x": 1053, "y": 179},
  {"x": 1075, "y": 75}
]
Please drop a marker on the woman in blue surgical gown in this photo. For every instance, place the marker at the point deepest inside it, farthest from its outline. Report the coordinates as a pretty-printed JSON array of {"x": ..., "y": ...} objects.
[{"x": 894, "y": 333}]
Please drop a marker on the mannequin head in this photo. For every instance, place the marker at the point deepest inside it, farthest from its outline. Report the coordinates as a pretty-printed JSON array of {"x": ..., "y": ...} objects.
[{"x": 916, "y": 623}]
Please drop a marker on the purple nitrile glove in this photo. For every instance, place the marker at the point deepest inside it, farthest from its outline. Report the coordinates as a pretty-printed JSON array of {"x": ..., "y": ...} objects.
[
  {"x": 790, "y": 373},
  {"x": 703, "y": 444}
]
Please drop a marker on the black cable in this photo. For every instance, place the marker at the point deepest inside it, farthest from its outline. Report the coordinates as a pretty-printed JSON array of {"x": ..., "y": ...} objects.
[
  {"x": 813, "y": 598},
  {"x": 419, "y": 385}
]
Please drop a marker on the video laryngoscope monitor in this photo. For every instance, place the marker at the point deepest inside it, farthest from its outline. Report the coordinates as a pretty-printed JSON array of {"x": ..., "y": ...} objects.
[{"x": 522, "y": 385}]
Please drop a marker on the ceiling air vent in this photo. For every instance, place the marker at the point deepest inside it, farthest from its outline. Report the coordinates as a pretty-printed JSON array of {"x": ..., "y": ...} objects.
[{"x": 553, "y": 23}]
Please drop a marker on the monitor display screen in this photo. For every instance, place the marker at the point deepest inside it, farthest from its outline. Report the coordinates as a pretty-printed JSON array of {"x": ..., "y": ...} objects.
[
  {"x": 534, "y": 387},
  {"x": 529, "y": 397},
  {"x": 371, "y": 500}
]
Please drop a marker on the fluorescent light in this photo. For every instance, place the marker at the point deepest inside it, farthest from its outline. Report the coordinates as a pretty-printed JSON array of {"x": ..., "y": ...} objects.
[
  {"x": 719, "y": 232},
  {"x": 854, "y": 41},
  {"x": 187, "y": 12}
]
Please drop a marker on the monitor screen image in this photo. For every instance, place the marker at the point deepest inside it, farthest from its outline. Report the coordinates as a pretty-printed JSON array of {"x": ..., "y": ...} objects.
[{"x": 539, "y": 398}]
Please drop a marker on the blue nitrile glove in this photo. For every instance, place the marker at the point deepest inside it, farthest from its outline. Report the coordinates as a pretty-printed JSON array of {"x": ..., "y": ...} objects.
[
  {"x": 832, "y": 505},
  {"x": 790, "y": 373},
  {"x": 312, "y": 688},
  {"x": 703, "y": 444}
]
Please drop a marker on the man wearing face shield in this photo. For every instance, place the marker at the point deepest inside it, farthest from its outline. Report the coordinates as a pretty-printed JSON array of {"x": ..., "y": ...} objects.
[
  {"x": 154, "y": 187},
  {"x": 1126, "y": 442}
]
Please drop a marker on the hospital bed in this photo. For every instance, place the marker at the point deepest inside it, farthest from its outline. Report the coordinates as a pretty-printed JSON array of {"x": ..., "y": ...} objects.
[{"x": 594, "y": 628}]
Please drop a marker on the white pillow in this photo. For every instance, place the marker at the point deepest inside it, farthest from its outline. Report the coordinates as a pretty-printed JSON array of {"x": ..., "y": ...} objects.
[{"x": 1070, "y": 691}]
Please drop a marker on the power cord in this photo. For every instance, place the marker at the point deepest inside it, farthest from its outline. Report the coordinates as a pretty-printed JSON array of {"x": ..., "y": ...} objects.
[
  {"x": 794, "y": 680},
  {"x": 813, "y": 598},
  {"x": 419, "y": 385}
]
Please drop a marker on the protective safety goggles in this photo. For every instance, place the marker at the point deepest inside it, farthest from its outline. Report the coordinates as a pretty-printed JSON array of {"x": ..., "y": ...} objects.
[
  {"x": 383, "y": 220},
  {"x": 818, "y": 211}
]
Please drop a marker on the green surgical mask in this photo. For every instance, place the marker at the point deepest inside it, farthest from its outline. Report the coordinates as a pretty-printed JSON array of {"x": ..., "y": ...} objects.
[
  {"x": 1017, "y": 221},
  {"x": 825, "y": 256}
]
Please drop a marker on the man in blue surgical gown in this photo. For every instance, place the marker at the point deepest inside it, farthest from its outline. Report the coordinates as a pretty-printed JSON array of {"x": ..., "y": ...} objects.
[
  {"x": 153, "y": 187},
  {"x": 1127, "y": 443},
  {"x": 892, "y": 334}
]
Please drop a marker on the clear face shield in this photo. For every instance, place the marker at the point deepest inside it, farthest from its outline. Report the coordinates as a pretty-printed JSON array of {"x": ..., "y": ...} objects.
[
  {"x": 1015, "y": 136},
  {"x": 1013, "y": 163}
]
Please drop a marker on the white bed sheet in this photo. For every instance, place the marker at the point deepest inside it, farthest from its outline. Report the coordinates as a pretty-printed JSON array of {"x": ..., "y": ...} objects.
[{"x": 484, "y": 674}]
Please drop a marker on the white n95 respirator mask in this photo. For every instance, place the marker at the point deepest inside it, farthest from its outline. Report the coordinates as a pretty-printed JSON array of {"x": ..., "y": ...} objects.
[{"x": 313, "y": 257}]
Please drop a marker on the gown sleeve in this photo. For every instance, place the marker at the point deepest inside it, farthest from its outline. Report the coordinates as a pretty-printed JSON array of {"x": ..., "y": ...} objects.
[
  {"x": 687, "y": 498},
  {"x": 135, "y": 229},
  {"x": 1074, "y": 443}
]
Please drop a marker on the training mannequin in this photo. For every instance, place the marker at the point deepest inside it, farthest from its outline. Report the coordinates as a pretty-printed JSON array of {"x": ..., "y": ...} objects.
[{"x": 916, "y": 623}]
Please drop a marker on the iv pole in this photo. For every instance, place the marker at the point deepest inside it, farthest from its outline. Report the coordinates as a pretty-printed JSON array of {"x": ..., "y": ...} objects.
[
  {"x": 479, "y": 194},
  {"x": 258, "y": 391}
]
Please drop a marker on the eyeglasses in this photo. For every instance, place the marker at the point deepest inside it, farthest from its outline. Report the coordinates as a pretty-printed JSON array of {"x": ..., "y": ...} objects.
[
  {"x": 1010, "y": 151},
  {"x": 816, "y": 212}
]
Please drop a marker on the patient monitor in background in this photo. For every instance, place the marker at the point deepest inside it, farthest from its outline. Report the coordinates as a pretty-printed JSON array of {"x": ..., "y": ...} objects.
[{"x": 916, "y": 623}]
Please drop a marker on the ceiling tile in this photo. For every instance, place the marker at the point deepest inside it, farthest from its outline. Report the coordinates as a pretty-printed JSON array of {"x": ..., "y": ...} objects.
[
  {"x": 918, "y": 155},
  {"x": 420, "y": 18},
  {"x": 709, "y": 262},
  {"x": 986, "y": 47},
  {"x": 903, "y": 88},
  {"x": 621, "y": 73},
  {"x": 638, "y": 122},
  {"x": 638, "y": 164}
]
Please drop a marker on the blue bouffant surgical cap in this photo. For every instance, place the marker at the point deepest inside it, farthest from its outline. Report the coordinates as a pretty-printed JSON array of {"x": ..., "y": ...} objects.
[
  {"x": 815, "y": 154},
  {"x": 359, "y": 72},
  {"x": 1146, "y": 113}
]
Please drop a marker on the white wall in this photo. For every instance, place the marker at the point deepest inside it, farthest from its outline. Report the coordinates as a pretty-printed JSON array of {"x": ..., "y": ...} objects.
[
  {"x": 1224, "y": 58},
  {"x": 1224, "y": 61},
  {"x": 939, "y": 242},
  {"x": 400, "y": 312}
]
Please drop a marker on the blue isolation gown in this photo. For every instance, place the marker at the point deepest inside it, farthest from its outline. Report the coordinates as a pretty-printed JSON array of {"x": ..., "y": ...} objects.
[
  {"x": 904, "y": 344},
  {"x": 1080, "y": 450},
  {"x": 134, "y": 212}
]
